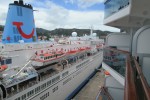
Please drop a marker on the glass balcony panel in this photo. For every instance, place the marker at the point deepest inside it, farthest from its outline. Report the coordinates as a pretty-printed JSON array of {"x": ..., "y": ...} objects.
[
  {"x": 116, "y": 60},
  {"x": 112, "y": 6}
]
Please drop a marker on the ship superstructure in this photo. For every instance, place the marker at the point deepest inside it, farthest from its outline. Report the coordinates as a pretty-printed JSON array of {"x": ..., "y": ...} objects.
[
  {"x": 126, "y": 54},
  {"x": 35, "y": 70}
]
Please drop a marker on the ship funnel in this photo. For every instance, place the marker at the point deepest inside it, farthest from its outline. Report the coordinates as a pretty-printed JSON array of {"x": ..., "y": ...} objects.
[{"x": 19, "y": 24}]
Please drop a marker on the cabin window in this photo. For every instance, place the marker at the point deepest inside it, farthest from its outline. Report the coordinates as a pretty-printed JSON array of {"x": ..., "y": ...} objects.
[
  {"x": 66, "y": 81},
  {"x": 65, "y": 74},
  {"x": 49, "y": 83},
  {"x": 17, "y": 98},
  {"x": 3, "y": 62},
  {"x": 24, "y": 97},
  {"x": 43, "y": 86},
  {"x": 37, "y": 89},
  {"x": 55, "y": 79},
  {"x": 30, "y": 93},
  {"x": 48, "y": 94},
  {"x": 8, "y": 61}
]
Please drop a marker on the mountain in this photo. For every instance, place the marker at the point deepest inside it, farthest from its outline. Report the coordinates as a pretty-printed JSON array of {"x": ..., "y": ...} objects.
[{"x": 65, "y": 32}]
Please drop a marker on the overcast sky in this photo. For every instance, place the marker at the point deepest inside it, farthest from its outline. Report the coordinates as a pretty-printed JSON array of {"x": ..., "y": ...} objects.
[{"x": 54, "y": 14}]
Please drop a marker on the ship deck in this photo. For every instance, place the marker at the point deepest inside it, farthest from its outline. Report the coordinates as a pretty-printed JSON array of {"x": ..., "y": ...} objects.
[{"x": 91, "y": 89}]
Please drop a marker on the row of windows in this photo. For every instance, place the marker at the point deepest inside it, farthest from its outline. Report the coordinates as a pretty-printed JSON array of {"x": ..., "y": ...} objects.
[
  {"x": 30, "y": 93},
  {"x": 23, "y": 97},
  {"x": 45, "y": 58},
  {"x": 81, "y": 64},
  {"x": 49, "y": 83},
  {"x": 107, "y": 58},
  {"x": 39, "y": 88},
  {"x": 43, "y": 86},
  {"x": 6, "y": 61},
  {"x": 55, "y": 79},
  {"x": 112, "y": 6},
  {"x": 66, "y": 81},
  {"x": 65, "y": 74}
]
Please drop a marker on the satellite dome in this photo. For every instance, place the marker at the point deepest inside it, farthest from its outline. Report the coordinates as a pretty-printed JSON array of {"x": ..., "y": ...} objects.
[
  {"x": 94, "y": 34},
  {"x": 74, "y": 34}
]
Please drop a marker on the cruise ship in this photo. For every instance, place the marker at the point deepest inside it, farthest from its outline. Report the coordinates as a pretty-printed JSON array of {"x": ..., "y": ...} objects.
[
  {"x": 127, "y": 53},
  {"x": 39, "y": 70}
]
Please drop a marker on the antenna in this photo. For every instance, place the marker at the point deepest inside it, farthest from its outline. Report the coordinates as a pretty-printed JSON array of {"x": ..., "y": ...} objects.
[
  {"x": 36, "y": 10},
  {"x": 91, "y": 30}
]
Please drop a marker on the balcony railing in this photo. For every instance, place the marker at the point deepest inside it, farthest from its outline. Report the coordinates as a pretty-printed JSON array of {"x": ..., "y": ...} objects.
[
  {"x": 113, "y": 6},
  {"x": 142, "y": 87},
  {"x": 136, "y": 86}
]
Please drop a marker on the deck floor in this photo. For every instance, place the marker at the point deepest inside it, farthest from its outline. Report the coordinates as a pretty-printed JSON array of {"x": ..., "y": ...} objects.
[{"x": 91, "y": 89}]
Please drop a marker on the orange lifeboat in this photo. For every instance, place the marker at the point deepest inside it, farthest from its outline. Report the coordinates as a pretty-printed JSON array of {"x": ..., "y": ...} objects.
[
  {"x": 3, "y": 67},
  {"x": 107, "y": 73}
]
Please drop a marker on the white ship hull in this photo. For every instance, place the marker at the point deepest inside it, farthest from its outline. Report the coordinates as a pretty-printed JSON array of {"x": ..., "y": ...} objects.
[{"x": 66, "y": 86}]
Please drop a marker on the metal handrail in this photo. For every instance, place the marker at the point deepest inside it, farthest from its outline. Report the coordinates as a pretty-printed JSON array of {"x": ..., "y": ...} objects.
[
  {"x": 143, "y": 80},
  {"x": 130, "y": 88},
  {"x": 116, "y": 50}
]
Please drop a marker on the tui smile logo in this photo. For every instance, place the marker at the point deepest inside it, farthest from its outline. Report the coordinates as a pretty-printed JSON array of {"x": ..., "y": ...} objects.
[{"x": 27, "y": 36}]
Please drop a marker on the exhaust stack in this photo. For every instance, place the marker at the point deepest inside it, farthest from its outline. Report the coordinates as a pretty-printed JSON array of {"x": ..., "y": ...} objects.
[{"x": 19, "y": 26}]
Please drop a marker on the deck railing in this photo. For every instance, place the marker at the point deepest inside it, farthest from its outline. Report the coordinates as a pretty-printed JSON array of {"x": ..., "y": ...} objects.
[
  {"x": 136, "y": 86},
  {"x": 143, "y": 89}
]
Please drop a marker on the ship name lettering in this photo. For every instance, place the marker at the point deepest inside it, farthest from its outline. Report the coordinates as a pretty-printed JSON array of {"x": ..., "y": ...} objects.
[{"x": 44, "y": 96}]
